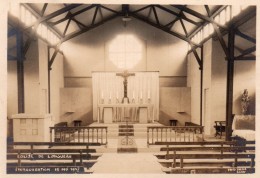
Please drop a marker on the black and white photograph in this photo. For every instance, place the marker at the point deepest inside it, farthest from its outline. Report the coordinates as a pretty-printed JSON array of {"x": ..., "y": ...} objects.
[{"x": 129, "y": 88}]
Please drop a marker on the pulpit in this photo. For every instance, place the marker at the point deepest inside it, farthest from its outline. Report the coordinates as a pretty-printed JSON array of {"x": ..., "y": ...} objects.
[{"x": 32, "y": 127}]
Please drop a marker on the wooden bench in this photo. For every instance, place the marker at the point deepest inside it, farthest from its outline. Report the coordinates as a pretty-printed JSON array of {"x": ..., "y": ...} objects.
[
  {"x": 220, "y": 127},
  {"x": 61, "y": 160},
  {"x": 218, "y": 170},
  {"x": 230, "y": 156}
]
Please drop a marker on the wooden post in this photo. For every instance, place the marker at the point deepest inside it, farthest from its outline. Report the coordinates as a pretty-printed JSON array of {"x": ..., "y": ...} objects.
[
  {"x": 201, "y": 84},
  {"x": 20, "y": 86},
  {"x": 49, "y": 81},
  {"x": 230, "y": 78},
  {"x": 80, "y": 152},
  {"x": 19, "y": 158},
  {"x": 50, "y": 134},
  {"x": 167, "y": 152},
  {"x": 20, "y": 72},
  {"x": 181, "y": 162}
]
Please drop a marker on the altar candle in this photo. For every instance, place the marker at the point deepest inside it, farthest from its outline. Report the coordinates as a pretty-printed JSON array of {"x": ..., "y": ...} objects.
[
  {"x": 102, "y": 94},
  {"x": 116, "y": 95},
  {"x": 110, "y": 95},
  {"x": 141, "y": 95},
  {"x": 149, "y": 94},
  {"x": 133, "y": 94}
]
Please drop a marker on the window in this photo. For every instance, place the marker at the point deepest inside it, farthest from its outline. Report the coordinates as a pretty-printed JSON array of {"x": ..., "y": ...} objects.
[{"x": 125, "y": 51}]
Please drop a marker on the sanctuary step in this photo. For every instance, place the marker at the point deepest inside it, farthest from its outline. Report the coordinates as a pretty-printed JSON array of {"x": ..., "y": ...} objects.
[
  {"x": 126, "y": 130},
  {"x": 139, "y": 136}
]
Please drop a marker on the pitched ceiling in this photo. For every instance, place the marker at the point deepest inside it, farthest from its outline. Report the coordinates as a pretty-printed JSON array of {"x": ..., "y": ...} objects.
[{"x": 182, "y": 21}]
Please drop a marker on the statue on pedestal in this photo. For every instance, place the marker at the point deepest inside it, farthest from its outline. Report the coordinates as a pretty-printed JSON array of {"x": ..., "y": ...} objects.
[{"x": 245, "y": 100}]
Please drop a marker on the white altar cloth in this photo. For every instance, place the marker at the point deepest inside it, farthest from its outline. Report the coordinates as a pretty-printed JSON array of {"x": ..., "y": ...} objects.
[{"x": 125, "y": 110}]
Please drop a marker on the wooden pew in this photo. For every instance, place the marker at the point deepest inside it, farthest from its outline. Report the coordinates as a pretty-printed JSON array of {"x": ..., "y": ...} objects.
[
  {"x": 195, "y": 162},
  {"x": 49, "y": 160},
  {"x": 199, "y": 170},
  {"x": 213, "y": 162},
  {"x": 220, "y": 149}
]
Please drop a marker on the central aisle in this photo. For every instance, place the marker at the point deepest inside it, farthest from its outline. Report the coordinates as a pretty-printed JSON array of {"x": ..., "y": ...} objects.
[
  {"x": 127, "y": 163},
  {"x": 142, "y": 162}
]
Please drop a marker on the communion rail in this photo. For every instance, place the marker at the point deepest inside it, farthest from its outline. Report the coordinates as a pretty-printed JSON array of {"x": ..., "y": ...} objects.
[
  {"x": 79, "y": 134},
  {"x": 174, "y": 134}
]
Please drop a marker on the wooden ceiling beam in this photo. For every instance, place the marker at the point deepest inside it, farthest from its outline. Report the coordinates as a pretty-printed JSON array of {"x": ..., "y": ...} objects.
[
  {"x": 28, "y": 7},
  {"x": 216, "y": 12},
  {"x": 171, "y": 23},
  {"x": 251, "y": 58},
  {"x": 141, "y": 9},
  {"x": 57, "y": 13},
  {"x": 219, "y": 35},
  {"x": 73, "y": 19},
  {"x": 109, "y": 9},
  {"x": 247, "y": 51},
  {"x": 73, "y": 14},
  {"x": 234, "y": 23},
  {"x": 178, "y": 15},
  {"x": 66, "y": 28},
  {"x": 81, "y": 25},
  {"x": 95, "y": 15},
  {"x": 44, "y": 8},
  {"x": 162, "y": 28},
  {"x": 88, "y": 28},
  {"x": 198, "y": 59},
  {"x": 200, "y": 16},
  {"x": 156, "y": 16},
  {"x": 245, "y": 36}
]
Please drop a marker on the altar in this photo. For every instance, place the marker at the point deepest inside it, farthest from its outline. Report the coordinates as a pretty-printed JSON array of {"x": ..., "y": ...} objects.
[
  {"x": 136, "y": 113},
  {"x": 121, "y": 96}
]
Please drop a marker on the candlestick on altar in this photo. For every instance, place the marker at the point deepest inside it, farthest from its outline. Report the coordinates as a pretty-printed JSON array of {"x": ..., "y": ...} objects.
[
  {"x": 102, "y": 97},
  {"x": 149, "y": 94},
  {"x": 133, "y": 99},
  {"x": 141, "y": 97}
]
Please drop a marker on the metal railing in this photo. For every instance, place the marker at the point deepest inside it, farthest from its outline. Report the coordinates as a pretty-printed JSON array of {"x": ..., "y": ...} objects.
[
  {"x": 174, "y": 134},
  {"x": 79, "y": 134}
]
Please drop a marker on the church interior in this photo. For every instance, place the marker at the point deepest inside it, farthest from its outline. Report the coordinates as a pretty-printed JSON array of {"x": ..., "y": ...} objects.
[{"x": 131, "y": 88}]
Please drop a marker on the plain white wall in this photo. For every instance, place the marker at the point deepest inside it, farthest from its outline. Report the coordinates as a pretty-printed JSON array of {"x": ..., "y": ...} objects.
[
  {"x": 214, "y": 80},
  {"x": 56, "y": 82},
  {"x": 31, "y": 80},
  {"x": 12, "y": 92},
  {"x": 36, "y": 82},
  {"x": 193, "y": 81},
  {"x": 89, "y": 51}
]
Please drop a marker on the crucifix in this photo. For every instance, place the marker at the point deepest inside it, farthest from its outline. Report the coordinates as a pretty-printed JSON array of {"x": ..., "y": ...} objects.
[{"x": 125, "y": 75}]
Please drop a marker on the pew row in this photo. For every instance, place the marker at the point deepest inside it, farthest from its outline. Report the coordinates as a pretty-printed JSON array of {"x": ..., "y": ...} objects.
[
  {"x": 206, "y": 157},
  {"x": 200, "y": 170},
  {"x": 54, "y": 158}
]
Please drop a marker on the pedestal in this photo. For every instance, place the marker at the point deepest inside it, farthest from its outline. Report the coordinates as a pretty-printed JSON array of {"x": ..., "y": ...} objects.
[{"x": 32, "y": 127}]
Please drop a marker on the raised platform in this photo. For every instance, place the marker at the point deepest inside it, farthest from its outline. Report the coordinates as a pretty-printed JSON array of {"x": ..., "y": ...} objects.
[{"x": 139, "y": 135}]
